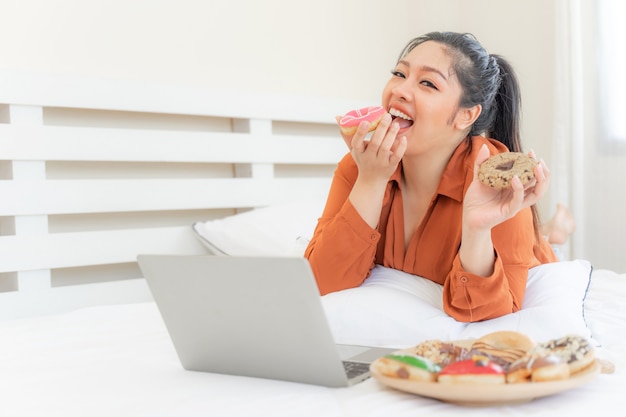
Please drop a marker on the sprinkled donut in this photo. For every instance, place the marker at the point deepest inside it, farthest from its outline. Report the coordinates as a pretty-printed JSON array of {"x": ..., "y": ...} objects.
[
  {"x": 439, "y": 352},
  {"x": 351, "y": 120},
  {"x": 575, "y": 350},
  {"x": 553, "y": 360},
  {"x": 498, "y": 171}
]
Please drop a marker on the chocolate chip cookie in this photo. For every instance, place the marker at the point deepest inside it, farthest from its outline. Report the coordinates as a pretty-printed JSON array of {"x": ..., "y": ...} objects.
[{"x": 498, "y": 171}]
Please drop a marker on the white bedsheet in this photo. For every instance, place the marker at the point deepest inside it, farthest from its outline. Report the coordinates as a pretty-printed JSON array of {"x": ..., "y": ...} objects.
[{"x": 119, "y": 361}]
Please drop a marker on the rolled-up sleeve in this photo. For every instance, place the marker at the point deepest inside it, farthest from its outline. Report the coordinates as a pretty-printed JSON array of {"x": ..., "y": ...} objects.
[
  {"x": 342, "y": 250},
  {"x": 343, "y": 247},
  {"x": 469, "y": 297}
]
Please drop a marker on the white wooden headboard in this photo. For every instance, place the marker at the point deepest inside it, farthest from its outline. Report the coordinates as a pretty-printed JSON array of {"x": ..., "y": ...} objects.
[{"x": 94, "y": 172}]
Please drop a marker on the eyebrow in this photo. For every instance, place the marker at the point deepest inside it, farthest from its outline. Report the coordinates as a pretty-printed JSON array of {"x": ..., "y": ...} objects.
[{"x": 426, "y": 68}]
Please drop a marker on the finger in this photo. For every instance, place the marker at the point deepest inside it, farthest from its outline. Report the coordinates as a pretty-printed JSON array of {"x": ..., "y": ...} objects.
[
  {"x": 358, "y": 142},
  {"x": 398, "y": 150},
  {"x": 517, "y": 200},
  {"x": 539, "y": 187},
  {"x": 544, "y": 168},
  {"x": 397, "y": 141},
  {"x": 380, "y": 132},
  {"x": 542, "y": 176},
  {"x": 390, "y": 138}
]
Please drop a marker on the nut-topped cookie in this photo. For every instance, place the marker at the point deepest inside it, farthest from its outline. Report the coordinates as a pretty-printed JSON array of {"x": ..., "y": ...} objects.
[{"x": 498, "y": 171}]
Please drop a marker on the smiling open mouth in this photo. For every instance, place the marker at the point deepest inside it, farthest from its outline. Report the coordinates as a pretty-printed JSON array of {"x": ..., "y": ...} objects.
[{"x": 403, "y": 120}]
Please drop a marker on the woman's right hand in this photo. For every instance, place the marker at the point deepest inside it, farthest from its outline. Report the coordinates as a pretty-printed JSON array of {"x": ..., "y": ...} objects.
[{"x": 378, "y": 157}]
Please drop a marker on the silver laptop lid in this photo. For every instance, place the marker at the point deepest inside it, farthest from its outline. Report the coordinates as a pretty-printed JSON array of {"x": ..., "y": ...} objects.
[{"x": 251, "y": 316}]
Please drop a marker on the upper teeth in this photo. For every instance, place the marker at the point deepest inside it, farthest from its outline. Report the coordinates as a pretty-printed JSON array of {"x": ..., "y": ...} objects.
[{"x": 398, "y": 113}]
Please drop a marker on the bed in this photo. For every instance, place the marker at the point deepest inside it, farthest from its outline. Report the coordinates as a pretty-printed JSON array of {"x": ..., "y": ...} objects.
[{"x": 95, "y": 172}]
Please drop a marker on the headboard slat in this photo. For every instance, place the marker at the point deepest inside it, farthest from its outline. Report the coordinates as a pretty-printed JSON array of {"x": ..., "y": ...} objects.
[
  {"x": 64, "y": 250},
  {"x": 126, "y": 195},
  {"x": 54, "y": 143}
]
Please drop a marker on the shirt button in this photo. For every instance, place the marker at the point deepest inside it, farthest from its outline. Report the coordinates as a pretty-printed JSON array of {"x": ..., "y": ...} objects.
[
  {"x": 463, "y": 279},
  {"x": 373, "y": 237}
]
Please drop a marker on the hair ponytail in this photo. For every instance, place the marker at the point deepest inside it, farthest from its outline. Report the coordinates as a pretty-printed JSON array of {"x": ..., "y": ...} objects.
[
  {"x": 507, "y": 104},
  {"x": 506, "y": 123}
]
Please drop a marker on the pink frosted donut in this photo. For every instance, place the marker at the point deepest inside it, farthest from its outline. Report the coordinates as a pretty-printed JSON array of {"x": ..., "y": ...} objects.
[{"x": 351, "y": 120}]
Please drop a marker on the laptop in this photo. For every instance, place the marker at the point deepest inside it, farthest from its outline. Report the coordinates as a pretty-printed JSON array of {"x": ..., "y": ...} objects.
[{"x": 251, "y": 316}]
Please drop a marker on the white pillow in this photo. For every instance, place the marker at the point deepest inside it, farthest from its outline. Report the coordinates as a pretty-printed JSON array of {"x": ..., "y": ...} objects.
[
  {"x": 393, "y": 308},
  {"x": 277, "y": 230},
  {"x": 396, "y": 309}
]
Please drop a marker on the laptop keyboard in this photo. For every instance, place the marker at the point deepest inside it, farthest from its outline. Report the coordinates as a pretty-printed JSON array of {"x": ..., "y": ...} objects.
[{"x": 354, "y": 369}]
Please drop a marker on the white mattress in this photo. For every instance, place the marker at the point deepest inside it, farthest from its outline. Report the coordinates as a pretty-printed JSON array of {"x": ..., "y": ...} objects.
[{"x": 118, "y": 361}]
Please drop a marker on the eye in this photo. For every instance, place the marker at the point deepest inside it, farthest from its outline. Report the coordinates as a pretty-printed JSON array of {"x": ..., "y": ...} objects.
[
  {"x": 429, "y": 84},
  {"x": 397, "y": 73}
]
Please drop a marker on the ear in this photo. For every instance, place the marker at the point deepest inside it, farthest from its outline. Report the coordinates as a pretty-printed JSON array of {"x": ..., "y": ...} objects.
[{"x": 467, "y": 116}]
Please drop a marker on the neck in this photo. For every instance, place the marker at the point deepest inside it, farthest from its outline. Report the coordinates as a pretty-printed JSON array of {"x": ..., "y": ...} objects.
[{"x": 422, "y": 173}]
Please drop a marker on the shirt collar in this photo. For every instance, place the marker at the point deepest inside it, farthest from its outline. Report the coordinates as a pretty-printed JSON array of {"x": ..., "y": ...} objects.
[
  {"x": 460, "y": 169},
  {"x": 454, "y": 178}
]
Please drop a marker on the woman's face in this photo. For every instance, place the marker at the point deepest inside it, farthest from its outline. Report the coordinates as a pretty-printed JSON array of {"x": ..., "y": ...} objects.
[{"x": 423, "y": 95}]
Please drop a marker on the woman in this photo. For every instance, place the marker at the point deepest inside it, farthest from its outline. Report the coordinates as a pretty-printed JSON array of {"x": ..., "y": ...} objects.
[{"x": 409, "y": 198}]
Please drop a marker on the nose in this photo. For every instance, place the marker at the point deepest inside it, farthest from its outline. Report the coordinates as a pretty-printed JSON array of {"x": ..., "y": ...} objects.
[{"x": 402, "y": 90}]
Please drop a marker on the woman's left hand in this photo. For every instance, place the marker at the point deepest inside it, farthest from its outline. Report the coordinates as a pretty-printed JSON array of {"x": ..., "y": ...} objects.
[{"x": 485, "y": 207}]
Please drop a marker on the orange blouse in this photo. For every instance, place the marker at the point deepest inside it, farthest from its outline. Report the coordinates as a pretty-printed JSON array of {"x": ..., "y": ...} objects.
[{"x": 344, "y": 248}]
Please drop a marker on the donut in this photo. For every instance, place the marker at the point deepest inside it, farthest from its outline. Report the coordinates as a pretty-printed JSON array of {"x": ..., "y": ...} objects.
[
  {"x": 537, "y": 368},
  {"x": 498, "y": 171},
  {"x": 439, "y": 352},
  {"x": 503, "y": 347},
  {"x": 507, "y": 339},
  {"x": 575, "y": 350},
  {"x": 351, "y": 120},
  {"x": 407, "y": 366},
  {"x": 477, "y": 370}
]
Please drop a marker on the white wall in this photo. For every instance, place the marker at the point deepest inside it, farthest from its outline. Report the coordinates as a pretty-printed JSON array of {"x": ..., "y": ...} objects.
[
  {"x": 323, "y": 48},
  {"x": 301, "y": 47}
]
